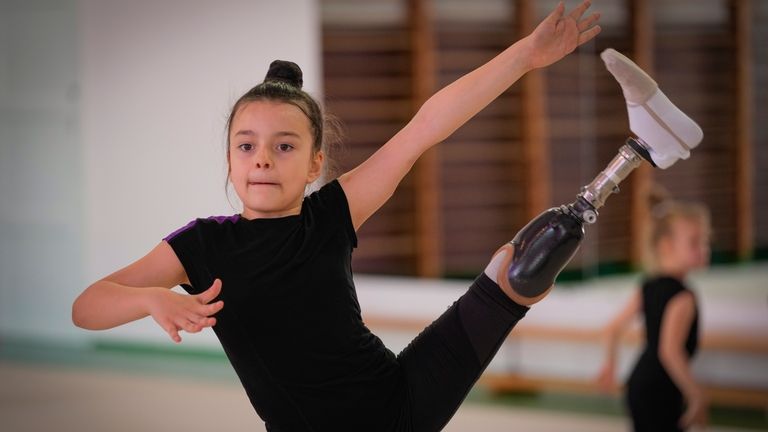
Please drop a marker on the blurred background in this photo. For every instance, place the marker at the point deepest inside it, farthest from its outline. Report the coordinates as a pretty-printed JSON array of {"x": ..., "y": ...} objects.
[{"x": 112, "y": 134}]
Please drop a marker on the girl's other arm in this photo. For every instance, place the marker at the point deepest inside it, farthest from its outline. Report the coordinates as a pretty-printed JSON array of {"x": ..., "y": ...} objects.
[
  {"x": 371, "y": 184},
  {"x": 142, "y": 289},
  {"x": 675, "y": 325},
  {"x": 613, "y": 333}
]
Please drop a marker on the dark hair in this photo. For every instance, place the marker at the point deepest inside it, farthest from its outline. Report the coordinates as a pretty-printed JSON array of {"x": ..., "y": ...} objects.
[{"x": 283, "y": 83}]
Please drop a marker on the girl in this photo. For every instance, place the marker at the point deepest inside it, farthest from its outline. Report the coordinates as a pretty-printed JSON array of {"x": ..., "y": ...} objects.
[
  {"x": 662, "y": 379},
  {"x": 291, "y": 326}
]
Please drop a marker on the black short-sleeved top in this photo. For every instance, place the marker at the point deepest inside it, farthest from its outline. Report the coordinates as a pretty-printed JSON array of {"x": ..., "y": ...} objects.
[
  {"x": 656, "y": 294},
  {"x": 291, "y": 323}
]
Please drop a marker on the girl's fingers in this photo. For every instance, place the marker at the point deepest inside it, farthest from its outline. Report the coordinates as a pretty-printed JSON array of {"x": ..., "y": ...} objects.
[
  {"x": 202, "y": 320},
  {"x": 190, "y": 326},
  {"x": 212, "y": 308},
  {"x": 204, "y": 311},
  {"x": 195, "y": 318},
  {"x": 579, "y": 11},
  {"x": 173, "y": 332},
  {"x": 192, "y": 317},
  {"x": 193, "y": 328},
  {"x": 211, "y": 293},
  {"x": 206, "y": 322},
  {"x": 557, "y": 13},
  {"x": 687, "y": 419},
  {"x": 588, "y": 21},
  {"x": 588, "y": 35}
]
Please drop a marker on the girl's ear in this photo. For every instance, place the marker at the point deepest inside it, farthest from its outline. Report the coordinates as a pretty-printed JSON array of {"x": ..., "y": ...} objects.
[{"x": 315, "y": 167}]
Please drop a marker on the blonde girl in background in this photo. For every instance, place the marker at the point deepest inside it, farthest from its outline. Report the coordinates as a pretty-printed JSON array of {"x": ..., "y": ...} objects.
[{"x": 661, "y": 392}]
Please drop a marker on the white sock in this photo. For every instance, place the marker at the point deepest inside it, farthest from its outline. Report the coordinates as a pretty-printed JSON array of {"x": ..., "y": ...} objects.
[{"x": 667, "y": 132}]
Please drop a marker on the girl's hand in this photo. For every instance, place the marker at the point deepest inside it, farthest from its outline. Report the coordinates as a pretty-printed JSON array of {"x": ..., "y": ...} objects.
[
  {"x": 606, "y": 379},
  {"x": 191, "y": 313},
  {"x": 696, "y": 412},
  {"x": 559, "y": 35}
]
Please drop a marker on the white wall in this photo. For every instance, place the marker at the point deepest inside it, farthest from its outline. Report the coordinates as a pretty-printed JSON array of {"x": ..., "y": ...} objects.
[
  {"x": 113, "y": 117},
  {"x": 41, "y": 166}
]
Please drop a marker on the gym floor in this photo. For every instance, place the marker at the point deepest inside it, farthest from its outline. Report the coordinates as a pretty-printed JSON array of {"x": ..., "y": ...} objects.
[
  {"x": 36, "y": 398},
  {"x": 123, "y": 391}
]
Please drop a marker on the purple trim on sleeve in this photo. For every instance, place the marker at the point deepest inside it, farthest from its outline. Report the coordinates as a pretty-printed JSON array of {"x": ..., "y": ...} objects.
[
  {"x": 218, "y": 219},
  {"x": 221, "y": 219}
]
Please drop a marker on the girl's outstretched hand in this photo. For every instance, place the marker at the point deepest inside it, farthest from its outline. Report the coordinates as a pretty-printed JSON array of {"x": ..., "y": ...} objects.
[
  {"x": 559, "y": 35},
  {"x": 192, "y": 313}
]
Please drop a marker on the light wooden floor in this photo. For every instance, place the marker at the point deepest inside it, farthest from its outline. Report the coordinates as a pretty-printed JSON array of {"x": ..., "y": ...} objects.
[{"x": 37, "y": 398}]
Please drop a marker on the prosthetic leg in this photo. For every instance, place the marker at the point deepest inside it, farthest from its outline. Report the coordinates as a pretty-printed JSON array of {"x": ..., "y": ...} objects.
[{"x": 662, "y": 135}]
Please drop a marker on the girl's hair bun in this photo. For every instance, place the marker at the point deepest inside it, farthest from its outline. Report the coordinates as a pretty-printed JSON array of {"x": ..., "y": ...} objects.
[
  {"x": 658, "y": 199},
  {"x": 285, "y": 71}
]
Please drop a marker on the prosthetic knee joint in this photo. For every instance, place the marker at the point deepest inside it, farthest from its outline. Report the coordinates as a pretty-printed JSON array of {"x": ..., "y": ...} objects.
[{"x": 662, "y": 135}]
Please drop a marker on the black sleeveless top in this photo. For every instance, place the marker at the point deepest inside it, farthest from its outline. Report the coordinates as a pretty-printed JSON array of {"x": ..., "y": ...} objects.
[
  {"x": 649, "y": 372},
  {"x": 291, "y": 323}
]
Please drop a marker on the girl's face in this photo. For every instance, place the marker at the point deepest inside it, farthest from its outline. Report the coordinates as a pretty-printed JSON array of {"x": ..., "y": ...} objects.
[
  {"x": 686, "y": 247},
  {"x": 271, "y": 160}
]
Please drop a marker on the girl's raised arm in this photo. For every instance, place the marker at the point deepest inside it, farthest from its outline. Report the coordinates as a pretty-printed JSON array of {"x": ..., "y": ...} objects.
[
  {"x": 371, "y": 184},
  {"x": 142, "y": 289}
]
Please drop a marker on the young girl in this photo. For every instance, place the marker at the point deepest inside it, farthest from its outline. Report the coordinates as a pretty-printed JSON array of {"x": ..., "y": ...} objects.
[
  {"x": 661, "y": 380},
  {"x": 291, "y": 326}
]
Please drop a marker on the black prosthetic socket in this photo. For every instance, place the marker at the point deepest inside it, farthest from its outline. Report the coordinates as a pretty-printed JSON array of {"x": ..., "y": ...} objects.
[{"x": 545, "y": 246}]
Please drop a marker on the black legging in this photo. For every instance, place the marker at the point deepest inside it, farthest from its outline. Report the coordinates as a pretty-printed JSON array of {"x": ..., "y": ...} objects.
[{"x": 446, "y": 359}]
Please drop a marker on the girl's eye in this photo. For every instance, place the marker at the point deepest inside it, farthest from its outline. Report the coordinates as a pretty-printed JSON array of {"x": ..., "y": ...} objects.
[
  {"x": 245, "y": 147},
  {"x": 284, "y": 147}
]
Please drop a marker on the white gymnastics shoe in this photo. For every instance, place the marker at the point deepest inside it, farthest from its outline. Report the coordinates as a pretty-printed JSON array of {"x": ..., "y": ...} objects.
[{"x": 666, "y": 132}]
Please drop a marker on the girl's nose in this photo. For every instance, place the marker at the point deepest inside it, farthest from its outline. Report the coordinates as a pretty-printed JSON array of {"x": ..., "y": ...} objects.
[{"x": 262, "y": 159}]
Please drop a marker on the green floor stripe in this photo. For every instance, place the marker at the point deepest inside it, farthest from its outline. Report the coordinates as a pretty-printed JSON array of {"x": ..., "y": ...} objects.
[
  {"x": 122, "y": 357},
  {"x": 169, "y": 350}
]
